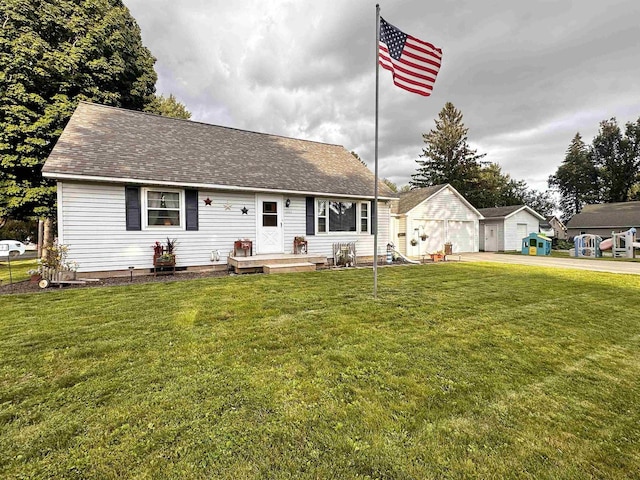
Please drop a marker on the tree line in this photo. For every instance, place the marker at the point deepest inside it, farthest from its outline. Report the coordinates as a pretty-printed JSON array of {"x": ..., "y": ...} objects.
[
  {"x": 606, "y": 171},
  {"x": 448, "y": 158}
]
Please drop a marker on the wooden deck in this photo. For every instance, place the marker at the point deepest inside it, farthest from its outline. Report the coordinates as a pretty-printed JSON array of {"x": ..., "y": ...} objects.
[{"x": 276, "y": 263}]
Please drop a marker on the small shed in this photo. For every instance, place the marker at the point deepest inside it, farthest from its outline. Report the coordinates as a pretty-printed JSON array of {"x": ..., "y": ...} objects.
[
  {"x": 536, "y": 244},
  {"x": 503, "y": 228}
]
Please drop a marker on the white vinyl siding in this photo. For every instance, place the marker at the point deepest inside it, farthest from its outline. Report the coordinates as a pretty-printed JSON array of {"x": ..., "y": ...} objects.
[
  {"x": 516, "y": 225},
  {"x": 400, "y": 241},
  {"x": 94, "y": 227},
  {"x": 92, "y": 223}
]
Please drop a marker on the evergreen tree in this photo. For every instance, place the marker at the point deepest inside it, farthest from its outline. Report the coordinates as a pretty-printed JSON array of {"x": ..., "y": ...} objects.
[
  {"x": 53, "y": 54},
  {"x": 447, "y": 157},
  {"x": 576, "y": 179},
  {"x": 168, "y": 107}
]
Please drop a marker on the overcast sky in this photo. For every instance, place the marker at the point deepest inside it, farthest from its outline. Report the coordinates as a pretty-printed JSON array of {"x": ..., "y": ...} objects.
[{"x": 526, "y": 75}]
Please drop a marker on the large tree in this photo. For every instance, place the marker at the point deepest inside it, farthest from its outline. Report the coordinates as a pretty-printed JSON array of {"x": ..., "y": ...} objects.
[
  {"x": 168, "y": 107},
  {"x": 576, "y": 179},
  {"x": 53, "y": 54},
  {"x": 447, "y": 156},
  {"x": 617, "y": 158}
]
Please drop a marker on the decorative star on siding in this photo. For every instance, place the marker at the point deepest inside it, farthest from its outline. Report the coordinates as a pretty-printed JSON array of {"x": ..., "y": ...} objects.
[
  {"x": 207, "y": 201},
  {"x": 245, "y": 210},
  {"x": 227, "y": 206}
]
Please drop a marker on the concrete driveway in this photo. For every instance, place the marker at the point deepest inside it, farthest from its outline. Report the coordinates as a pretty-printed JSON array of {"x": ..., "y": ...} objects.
[{"x": 576, "y": 263}]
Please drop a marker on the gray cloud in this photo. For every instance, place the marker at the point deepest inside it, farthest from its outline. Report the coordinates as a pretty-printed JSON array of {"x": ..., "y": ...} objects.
[{"x": 526, "y": 75}]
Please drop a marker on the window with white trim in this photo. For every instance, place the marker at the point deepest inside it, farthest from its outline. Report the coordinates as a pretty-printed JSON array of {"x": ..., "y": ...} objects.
[
  {"x": 163, "y": 208},
  {"x": 322, "y": 216},
  {"x": 364, "y": 217},
  {"x": 342, "y": 216}
]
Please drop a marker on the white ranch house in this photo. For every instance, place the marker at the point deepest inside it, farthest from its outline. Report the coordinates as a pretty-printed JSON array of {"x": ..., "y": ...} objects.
[{"x": 127, "y": 179}]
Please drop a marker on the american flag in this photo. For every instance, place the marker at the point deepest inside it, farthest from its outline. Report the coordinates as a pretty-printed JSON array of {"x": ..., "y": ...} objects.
[{"x": 413, "y": 63}]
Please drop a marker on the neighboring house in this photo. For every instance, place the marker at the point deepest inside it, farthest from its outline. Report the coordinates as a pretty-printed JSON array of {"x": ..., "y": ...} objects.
[
  {"x": 441, "y": 214},
  {"x": 503, "y": 228},
  {"x": 553, "y": 227},
  {"x": 127, "y": 179},
  {"x": 604, "y": 218}
]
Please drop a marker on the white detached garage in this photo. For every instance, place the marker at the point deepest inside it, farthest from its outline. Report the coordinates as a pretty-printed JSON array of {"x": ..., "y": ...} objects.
[{"x": 424, "y": 219}]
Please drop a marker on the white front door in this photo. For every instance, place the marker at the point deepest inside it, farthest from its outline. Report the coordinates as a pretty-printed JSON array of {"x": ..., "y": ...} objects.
[
  {"x": 270, "y": 235},
  {"x": 490, "y": 238}
]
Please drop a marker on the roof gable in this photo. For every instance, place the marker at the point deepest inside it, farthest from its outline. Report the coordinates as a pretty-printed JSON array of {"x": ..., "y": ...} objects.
[
  {"x": 506, "y": 212},
  {"x": 411, "y": 199},
  {"x": 113, "y": 144},
  {"x": 607, "y": 215}
]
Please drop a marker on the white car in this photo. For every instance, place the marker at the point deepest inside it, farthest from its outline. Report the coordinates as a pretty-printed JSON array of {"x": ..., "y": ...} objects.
[{"x": 11, "y": 247}]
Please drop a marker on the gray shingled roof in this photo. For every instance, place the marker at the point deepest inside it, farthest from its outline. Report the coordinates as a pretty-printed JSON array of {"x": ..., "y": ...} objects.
[
  {"x": 607, "y": 215},
  {"x": 413, "y": 198},
  {"x": 499, "y": 212},
  {"x": 102, "y": 142}
]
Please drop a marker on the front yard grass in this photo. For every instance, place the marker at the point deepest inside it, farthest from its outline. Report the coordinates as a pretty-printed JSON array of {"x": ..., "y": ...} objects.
[
  {"x": 456, "y": 371},
  {"x": 19, "y": 268}
]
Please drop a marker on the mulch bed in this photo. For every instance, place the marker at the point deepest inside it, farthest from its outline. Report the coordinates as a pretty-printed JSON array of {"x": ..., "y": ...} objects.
[{"x": 28, "y": 287}]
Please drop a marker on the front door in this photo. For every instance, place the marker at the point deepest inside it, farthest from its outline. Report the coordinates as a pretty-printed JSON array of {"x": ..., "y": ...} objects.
[
  {"x": 270, "y": 237},
  {"x": 490, "y": 238}
]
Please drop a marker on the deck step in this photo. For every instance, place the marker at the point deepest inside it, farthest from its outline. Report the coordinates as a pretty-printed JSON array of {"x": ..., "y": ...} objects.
[{"x": 289, "y": 267}]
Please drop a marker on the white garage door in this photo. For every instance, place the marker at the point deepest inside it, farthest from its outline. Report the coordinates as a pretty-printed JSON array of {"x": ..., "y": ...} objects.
[
  {"x": 434, "y": 230},
  {"x": 461, "y": 235}
]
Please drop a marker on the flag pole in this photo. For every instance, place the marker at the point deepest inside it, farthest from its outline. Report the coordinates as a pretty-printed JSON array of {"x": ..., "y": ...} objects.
[{"x": 375, "y": 186}]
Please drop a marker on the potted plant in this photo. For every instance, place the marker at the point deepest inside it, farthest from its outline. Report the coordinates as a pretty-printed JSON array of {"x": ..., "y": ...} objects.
[
  {"x": 299, "y": 245},
  {"x": 68, "y": 271},
  {"x": 164, "y": 255},
  {"x": 34, "y": 275}
]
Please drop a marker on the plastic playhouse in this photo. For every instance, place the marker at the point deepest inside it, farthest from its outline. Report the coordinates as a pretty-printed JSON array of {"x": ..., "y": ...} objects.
[
  {"x": 622, "y": 244},
  {"x": 536, "y": 244},
  {"x": 587, "y": 246}
]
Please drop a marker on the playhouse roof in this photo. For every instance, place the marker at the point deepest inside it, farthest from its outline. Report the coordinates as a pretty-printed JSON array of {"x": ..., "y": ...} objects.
[{"x": 110, "y": 144}]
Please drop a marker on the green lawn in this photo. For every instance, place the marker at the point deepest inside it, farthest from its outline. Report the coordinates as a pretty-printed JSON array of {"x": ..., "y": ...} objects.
[
  {"x": 19, "y": 267},
  {"x": 456, "y": 371}
]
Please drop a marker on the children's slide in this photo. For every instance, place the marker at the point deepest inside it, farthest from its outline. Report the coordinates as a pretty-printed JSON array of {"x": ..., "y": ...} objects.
[{"x": 606, "y": 244}]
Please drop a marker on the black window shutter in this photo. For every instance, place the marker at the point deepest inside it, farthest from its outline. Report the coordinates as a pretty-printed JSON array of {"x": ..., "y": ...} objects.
[
  {"x": 374, "y": 217},
  {"x": 191, "y": 201},
  {"x": 132, "y": 208},
  {"x": 311, "y": 216}
]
